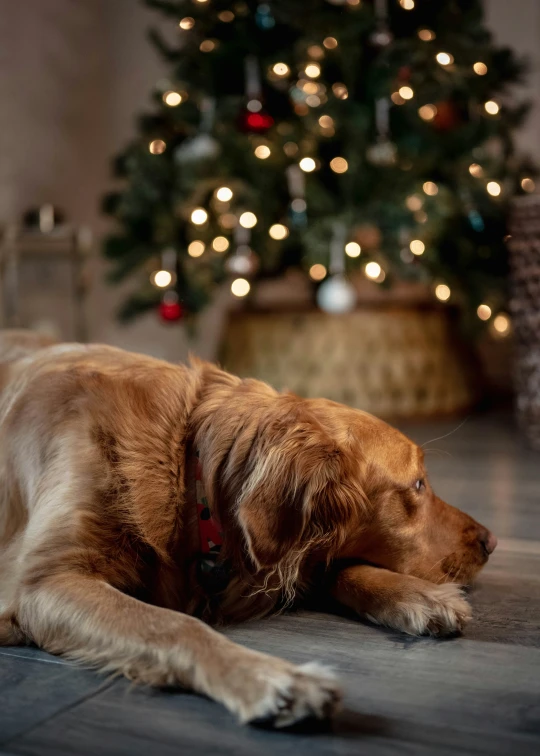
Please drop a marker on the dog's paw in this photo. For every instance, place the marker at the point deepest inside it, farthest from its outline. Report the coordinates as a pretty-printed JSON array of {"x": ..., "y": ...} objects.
[
  {"x": 273, "y": 692},
  {"x": 437, "y": 610}
]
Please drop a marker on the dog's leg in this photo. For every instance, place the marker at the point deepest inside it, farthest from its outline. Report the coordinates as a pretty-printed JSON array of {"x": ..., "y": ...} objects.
[
  {"x": 402, "y": 602},
  {"x": 90, "y": 621}
]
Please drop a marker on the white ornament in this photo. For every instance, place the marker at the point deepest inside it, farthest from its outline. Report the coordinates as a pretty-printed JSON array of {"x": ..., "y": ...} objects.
[
  {"x": 201, "y": 147},
  {"x": 336, "y": 295}
]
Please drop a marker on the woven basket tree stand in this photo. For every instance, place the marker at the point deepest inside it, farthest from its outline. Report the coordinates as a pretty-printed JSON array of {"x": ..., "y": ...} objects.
[{"x": 525, "y": 306}]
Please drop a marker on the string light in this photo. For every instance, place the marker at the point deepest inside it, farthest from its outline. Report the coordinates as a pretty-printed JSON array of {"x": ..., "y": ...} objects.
[
  {"x": 172, "y": 99},
  {"x": 157, "y": 146},
  {"x": 501, "y": 324},
  {"x": 417, "y": 247},
  {"x": 187, "y": 23},
  {"x": 406, "y": 92},
  {"x": 313, "y": 70},
  {"x": 224, "y": 194},
  {"x": 247, "y": 220},
  {"x": 340, "y": 91},
  {"x": 444, "y": 58},
  {"x": 373, "y": 270},
  {"x": 313, "y": 101},
  {"x": 290, "y": 149},
  {"x": 201, "y": 1},
  {"x": 281, "y": 69},
  {"x": 426, "y": 35},
  {"x": 315, "y": 51},
  {"x": 442, "y": 292},
  {"x": 484, "y": 312},
  {"x": 430, "y": 188},
  {"x": 353, "y": 249},
  {"x": 414, "y": 202},
  {"x": 339, "y": 165},
  {"x": 207, "y": 45},
  {"x": 220, "y": 244},
  {"x": 278, "y": 231},
  {"x": 326, "y": 122},
  {"x": 407, "y": 4},
  {"x": 427, "y": 112},
  {"x": 353, "y": 2},
  {"x": 254, "y": 106},
  {"x": 317, "y": 272},
  {"x": 492, "y": 107},
  {"x": 494, "y": 188},
  {"x": 262, "y": 151},
  {"x": 199, "y": 216},
  {"x": 528, "y": 185},
  {"x": 307, "y": 164},
  {"x": 226, "y": 16},
  {"x": 330, "y": 43},
  {"x": 228, "y": 220},
  {"x": 476, "y": 170},
  {"x": 397, "y": 99},
  {"x": 196, "y": 248},
  {"x": 309, "y": 87},
  {"x": 240, "y": 287},
  {"x": 480, "y": 68},
  {"x": 162, "y": 278}
]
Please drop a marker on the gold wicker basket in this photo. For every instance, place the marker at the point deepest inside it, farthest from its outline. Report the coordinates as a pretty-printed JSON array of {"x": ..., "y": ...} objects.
[{"x": 393, "y": 361}]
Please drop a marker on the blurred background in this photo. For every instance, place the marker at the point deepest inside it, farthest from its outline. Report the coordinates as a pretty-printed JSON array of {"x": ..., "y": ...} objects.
[{"x": 342, "y": 202}]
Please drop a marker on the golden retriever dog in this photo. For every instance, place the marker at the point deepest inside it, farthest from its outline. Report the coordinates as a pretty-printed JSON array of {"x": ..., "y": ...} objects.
[{"x": 142, "y": 502}]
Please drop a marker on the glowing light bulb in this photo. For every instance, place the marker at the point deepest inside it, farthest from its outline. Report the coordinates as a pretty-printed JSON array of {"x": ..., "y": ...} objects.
[
  {"x": 353, "y": 249},
  {"x": 281, "y": 69},
  {"x": 427, "y": 112},
  {"x": 207, "y": 45},
  {"x": 187, "y": 23},
  {"x": 262, "y": 152},
  {"x": 444, "y": 58},
  {"x": 417, "y": 247},
  {"x": 162, "y": 278},
  {"x": 278, "y": 231},
  {"x": 430, "y": 188},
  {"x": 315, "y": 51},
  {"x": 340, "y": 91},
  {"x": 196, "y": 248},
  {"x": 407, "y": 4},
  {"x": 501, "y": 324},
  {"x": 492, "y": 107},
  {"x": 339, "y": 165},
  {"x": 494, "y": 188},
  {"x": 313, "y": 70},
  {"x": 172, "y": 99},
  {"x": 397, "y": 99},
  {"x": 426, "y": 35},
  {"x": 240, "y": 287},
  {"x": 157, "y": 146},
  {"x": 248, "y": 220},
  {"x": 307, "y": 164},
  {"x": 476, "y": 170},
  {"x": 406, "y": 92},
  {"x": 480, "y": 68},
  {"x": 484, "y": 312},
  {"x": 254, "y": 106},
  {"x": 317, "y": 272},
  {"x": 220, "y": 244},
  {"x": 414, "y": 203},
  {"x": 373, "y": 270},
  {"x": 199, "y": 216},
  {"x": 326, "y": 122},
  {"x": 330, "y": 43},
  {"x": 224, "y": 194},
  {"x": 442, "y": 292},
  {"x": 528, "y": 185},
  {"x": 226, "y": 16}
]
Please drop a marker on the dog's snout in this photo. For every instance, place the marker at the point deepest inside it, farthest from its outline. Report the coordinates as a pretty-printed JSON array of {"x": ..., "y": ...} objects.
[{"x": 488, "y": 541}]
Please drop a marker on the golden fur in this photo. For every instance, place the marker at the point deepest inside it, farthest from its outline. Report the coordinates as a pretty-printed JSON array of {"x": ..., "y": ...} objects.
[{"x": 99, "y": 534}]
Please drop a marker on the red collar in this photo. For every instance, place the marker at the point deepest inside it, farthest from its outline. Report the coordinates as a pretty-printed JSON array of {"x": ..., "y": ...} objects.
[{"x": 210, "y": 531}]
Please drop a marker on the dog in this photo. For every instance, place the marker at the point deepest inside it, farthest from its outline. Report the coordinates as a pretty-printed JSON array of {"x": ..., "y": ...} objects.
[{"x": 142, "y": 503}]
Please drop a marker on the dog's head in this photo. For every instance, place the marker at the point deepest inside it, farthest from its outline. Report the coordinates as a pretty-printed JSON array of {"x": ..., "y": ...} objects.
[{"x": 299, "y": 479}]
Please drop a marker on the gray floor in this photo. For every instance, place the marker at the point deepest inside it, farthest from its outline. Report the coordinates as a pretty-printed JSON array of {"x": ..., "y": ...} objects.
[{"x": 476, "y": 694}]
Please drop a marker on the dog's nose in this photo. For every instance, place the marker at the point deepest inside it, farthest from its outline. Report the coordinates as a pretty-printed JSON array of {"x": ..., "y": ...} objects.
[{"x": 488, "y": 541}]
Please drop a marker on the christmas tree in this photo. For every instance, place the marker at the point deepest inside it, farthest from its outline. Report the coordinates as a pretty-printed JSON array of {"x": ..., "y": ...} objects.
[{"x": 327, "y": 135}]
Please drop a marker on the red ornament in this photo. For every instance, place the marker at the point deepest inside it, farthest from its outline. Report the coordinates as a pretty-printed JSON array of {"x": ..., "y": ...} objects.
[
  {"x": 170, "y": 311},
  {"x": 255, "y": 123},
  {"x": 447, "y": 117}
]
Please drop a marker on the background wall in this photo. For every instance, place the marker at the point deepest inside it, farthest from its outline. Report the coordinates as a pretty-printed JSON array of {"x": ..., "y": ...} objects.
[{"x": 73, "y": 73}]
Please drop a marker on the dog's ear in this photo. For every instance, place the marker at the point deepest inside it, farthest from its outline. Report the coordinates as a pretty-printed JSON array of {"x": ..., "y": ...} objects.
[{"x": 296, "y": 491}]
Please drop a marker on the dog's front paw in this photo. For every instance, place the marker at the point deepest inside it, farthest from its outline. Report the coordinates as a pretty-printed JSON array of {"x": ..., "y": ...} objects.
[
  {"x": 428, "y": 609},
  {"x": 271, "y": 691}
]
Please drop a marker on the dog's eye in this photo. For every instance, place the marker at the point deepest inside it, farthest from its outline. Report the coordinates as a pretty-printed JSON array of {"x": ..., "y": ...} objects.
[{"x": 419, "y": 485}]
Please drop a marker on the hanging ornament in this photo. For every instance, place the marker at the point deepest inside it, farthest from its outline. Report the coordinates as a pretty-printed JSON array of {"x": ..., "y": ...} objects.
[
  {"x": 447, "y": 116},
  {"x": 170, "y": 310},
  {"x": 203, "y": 146},
  {"x": 253, "y": 119},
  {"x": 263, "y": 17},
  {"x": 383, "y": 152},
  {"x": 244, "y": 262},
  {"x": 337, "y": 295},
  {"x": 381, "y": 36},
  {"x": 296, "y": 180}
]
